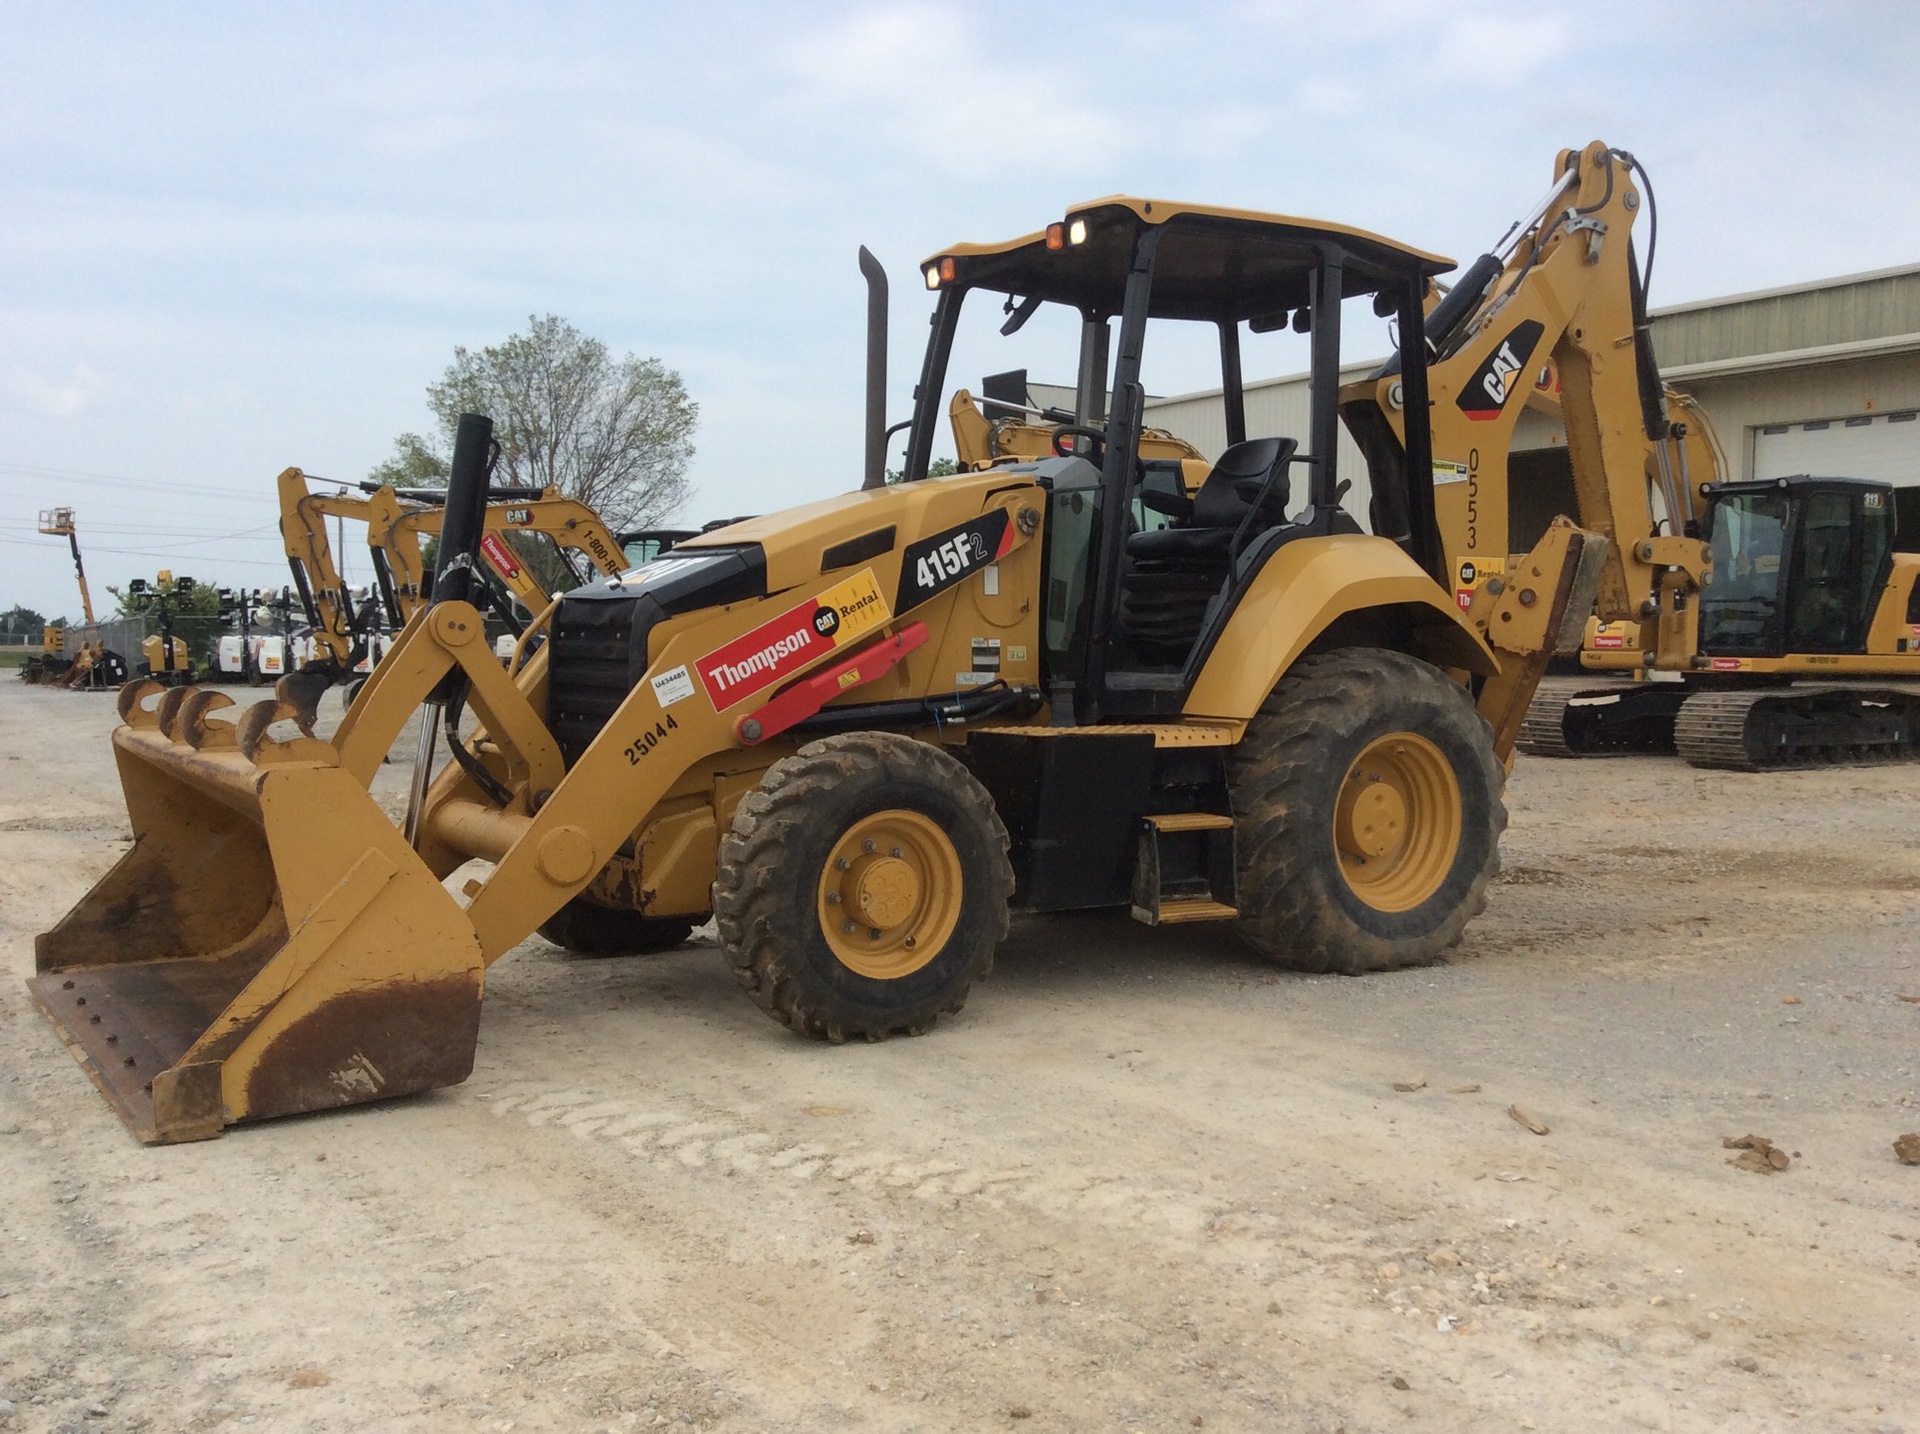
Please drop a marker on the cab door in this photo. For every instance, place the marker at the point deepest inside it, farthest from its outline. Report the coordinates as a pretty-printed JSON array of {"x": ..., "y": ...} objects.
[{"x": 1841, "y": 542}]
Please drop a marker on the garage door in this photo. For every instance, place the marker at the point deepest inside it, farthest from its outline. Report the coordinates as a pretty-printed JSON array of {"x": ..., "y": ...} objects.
[{"x": 1883, "y": 445}]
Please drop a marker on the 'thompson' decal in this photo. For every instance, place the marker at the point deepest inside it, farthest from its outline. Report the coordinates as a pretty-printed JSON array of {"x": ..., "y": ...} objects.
[
  {"x": 777, "y": 649},
  {"x": 932, "y": 565},
  {"x": 1485, "y": 394}
]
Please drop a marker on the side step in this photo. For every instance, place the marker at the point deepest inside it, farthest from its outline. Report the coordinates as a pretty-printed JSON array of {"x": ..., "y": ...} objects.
[{"x": 1183, "y": 869}]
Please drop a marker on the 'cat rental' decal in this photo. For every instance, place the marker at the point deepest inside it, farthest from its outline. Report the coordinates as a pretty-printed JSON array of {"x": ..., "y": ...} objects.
[
  {"x": 777, "y": 649},
  {"x": 932, "y": 565},
  {"x": 1485, "y": 394}
]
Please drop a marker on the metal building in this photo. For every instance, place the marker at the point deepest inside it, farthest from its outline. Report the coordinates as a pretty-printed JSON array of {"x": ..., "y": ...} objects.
[{"x": 1822, "y": 378}]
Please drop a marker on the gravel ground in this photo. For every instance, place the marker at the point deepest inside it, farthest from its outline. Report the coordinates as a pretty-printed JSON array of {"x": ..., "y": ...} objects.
[{"x": 1143, "y": 1182}]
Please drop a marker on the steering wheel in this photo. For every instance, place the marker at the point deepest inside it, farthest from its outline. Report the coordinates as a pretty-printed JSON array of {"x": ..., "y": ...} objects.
[{"x": 1096, "y": 436}]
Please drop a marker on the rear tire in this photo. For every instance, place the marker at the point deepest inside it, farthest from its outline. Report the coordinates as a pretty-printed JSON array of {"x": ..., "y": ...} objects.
[
  {"x": 1367, "y": 814},
  {"x": 588, "y": 929},
  {"x": 864, "y": 887}
]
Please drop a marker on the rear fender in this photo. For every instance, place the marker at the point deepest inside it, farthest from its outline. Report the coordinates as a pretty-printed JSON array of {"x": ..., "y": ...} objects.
[{"x": 1302, "y": 591}]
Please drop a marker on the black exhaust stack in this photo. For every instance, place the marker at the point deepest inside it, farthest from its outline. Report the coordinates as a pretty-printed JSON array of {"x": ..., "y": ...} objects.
[{"x": 876, "y": 470}]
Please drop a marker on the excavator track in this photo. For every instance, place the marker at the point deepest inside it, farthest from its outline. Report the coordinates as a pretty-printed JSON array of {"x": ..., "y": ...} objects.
[
  {"x": 1772, "y": 728},
  {"x": 1543, "y": 732},
  {"x": 1624, "y": 720}
]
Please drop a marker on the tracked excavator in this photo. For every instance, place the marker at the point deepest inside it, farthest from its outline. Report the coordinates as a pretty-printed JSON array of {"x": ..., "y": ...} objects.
[
  {"x": 398, "y": 522},
  {"x": 1792, "y": 653},
  {"x": 860, "y": 732}
]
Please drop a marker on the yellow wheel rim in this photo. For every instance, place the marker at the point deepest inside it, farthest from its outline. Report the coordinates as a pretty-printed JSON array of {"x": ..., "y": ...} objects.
[
  {"x": 1397, "y": 825},
  {"x": 889, "y": 894}
]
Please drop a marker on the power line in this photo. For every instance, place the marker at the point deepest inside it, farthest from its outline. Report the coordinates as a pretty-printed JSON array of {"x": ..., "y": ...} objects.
[{"x": 39, "y": 474}]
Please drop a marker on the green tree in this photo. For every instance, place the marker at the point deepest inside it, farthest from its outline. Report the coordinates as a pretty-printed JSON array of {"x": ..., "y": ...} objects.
[
  {"x": 20, "y": 621},
  {"x": 615, "y": 434},
  {"x": 415, "y": 463},
  {"x": 938, "y": 468}
]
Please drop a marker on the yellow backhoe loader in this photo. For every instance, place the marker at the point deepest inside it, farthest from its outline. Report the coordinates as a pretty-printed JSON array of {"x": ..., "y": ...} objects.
[{"x": 861, "y": 731}]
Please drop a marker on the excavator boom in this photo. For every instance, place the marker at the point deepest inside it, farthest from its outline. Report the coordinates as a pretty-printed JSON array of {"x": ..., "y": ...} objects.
[{"x": 398, "y": 525}]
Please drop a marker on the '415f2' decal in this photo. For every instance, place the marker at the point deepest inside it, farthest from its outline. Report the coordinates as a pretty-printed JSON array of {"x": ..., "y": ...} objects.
[{"x": 932, "y": 565}]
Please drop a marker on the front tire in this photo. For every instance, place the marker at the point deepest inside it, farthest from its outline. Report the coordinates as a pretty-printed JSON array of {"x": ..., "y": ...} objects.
[
  {"x": 864, "y": 887},
  {"x": 1367, "y": 815}
]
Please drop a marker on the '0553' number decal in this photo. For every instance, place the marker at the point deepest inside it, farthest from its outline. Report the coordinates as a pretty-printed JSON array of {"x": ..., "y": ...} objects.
[{"x": 649, "y": 740}]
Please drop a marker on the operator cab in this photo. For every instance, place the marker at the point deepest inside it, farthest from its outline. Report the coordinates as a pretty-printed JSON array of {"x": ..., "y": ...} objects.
[
  {"x": 1798, "y": 565},
  {"x": 1148, "y": 546}
]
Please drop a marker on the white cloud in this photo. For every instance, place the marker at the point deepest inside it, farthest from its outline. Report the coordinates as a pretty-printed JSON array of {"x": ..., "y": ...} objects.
[
  {"x": 918, "y": 79},
  {"x": 63, "y": 397},
  {"x": 1501, "y": 50}
]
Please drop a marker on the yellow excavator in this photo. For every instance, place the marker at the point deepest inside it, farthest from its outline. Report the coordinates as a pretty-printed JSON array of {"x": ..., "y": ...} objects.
[
  {"x": 1786, "y": 646},
  {"x": 345, "y": 632},
  {"x": 860, "y": 732}
]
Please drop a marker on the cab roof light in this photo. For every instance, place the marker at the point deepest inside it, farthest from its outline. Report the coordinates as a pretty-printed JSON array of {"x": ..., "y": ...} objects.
[
  {"x": 1056, "y": 237},
  {"x": 940, "y": 272},
  {"x": 1077, "y": 232}
]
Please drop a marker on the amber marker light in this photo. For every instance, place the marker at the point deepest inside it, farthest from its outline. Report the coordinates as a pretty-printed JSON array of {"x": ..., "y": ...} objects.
[{"x": 1056, "y": 237}]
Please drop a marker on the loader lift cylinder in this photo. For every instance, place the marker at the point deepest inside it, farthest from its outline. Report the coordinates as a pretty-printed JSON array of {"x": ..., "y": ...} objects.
[{"x": 456, "y": 575}]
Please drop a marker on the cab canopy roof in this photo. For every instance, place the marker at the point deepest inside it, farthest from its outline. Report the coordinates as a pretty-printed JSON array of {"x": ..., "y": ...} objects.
[{"x": 1213, "y": 264}]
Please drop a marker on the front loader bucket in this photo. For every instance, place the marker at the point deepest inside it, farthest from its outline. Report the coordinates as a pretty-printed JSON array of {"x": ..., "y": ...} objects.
[{"x": 270, "y": 945}]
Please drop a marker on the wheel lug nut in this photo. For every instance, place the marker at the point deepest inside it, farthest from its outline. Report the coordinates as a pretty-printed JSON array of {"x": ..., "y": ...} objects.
[
  {"x": 846, "y": 928},
  {"x": 873, "y": 933},
  {"x": 911, "y": 943},
  {"x": 896, "y": 853},
  {"x": 833, "y": 898},
  {"x": 867, "y": 845},
  {"x": 839, "y": 863}
]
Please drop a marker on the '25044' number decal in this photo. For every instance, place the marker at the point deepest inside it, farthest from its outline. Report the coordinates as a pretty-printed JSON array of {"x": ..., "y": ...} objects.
[{"x": 649, "y": 740}]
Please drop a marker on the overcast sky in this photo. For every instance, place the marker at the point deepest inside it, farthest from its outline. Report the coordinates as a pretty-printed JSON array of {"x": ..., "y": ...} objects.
[{"x": 238, "y": 237}]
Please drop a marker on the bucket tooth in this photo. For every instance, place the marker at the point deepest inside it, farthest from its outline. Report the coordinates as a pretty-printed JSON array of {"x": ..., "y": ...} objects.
[
  {"x": 193, "y": 728},
  {"x": 169, "y": 710},
  {"x": 250, "y": 734},
  {"x": 300, "y": 694},
  {"x": 132, "y": 701}
]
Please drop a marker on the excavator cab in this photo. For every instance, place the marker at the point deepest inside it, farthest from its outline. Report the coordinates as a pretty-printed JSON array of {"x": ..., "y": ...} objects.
[{"x": 1798, "y": 565}]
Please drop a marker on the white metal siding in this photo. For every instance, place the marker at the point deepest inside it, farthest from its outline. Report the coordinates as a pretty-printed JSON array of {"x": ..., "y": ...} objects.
[{"x": 1884, "y": 446}]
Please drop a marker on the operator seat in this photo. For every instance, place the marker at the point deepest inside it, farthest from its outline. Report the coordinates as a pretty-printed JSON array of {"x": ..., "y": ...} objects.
[{"x": 1173, "y": 573}]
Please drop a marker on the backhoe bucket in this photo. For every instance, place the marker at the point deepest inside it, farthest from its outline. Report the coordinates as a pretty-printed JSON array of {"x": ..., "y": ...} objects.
[{"x": 270, "y": 945}]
